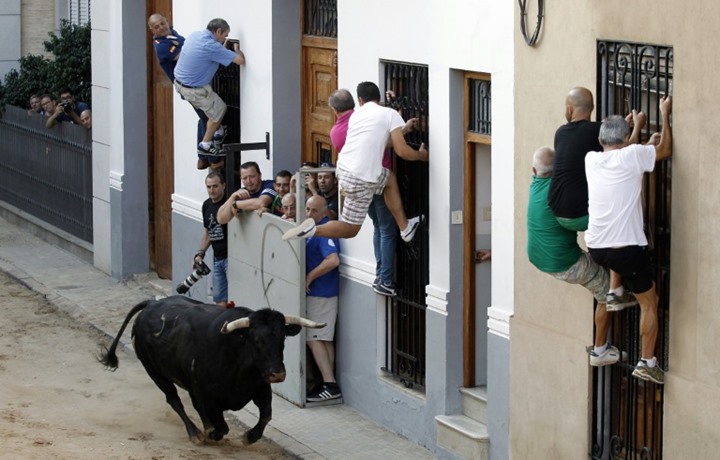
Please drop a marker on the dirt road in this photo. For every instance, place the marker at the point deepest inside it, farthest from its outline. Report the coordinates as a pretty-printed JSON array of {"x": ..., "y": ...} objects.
[{"x": 57, "y": 401}]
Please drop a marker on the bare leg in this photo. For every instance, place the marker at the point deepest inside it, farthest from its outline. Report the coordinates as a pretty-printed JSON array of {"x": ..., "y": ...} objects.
[
  {"x": 212, "y": 126},
  {"x": 602, "y": 324},
  {"x": 615, "y": 280},
  {"x": 324, "y": 354},
  {"x": 394, "y": 201},
  {"x": 648, "y": 301},
  {"x": 337, "y": 229}
]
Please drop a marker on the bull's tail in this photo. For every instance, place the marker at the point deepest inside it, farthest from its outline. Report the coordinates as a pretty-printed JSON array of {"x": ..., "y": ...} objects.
[{"x": 107, "y": 356}]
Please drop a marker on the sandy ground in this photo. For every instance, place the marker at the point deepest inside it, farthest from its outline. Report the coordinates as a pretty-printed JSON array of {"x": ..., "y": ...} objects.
[{"x": 57, "y": 401}]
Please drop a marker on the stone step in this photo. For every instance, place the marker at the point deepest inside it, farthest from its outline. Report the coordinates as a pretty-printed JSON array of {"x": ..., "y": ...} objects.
[
  {"x": 474, "y": 403},
  {"x": 463, "y": 436}
]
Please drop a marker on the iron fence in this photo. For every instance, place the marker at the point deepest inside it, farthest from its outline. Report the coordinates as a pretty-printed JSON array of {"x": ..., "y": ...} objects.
[
  {"x": 405, "y": 336},
  {"x": 627, "y": 412},
  {"x": 47, "y": 172}
]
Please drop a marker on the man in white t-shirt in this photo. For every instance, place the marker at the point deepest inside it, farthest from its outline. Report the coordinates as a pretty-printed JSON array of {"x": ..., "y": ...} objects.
[
  {"x": 360, "y": 172},
  {"x": 615, "y": 236}
]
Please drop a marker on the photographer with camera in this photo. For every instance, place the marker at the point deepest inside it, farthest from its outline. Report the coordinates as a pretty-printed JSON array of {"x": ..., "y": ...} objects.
[
  {"x": 215, "y": 234},
  {"x": 67, "y": 110}
]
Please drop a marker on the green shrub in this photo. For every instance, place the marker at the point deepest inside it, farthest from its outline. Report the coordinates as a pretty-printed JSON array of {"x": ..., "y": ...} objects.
[{"x": 69, "y": 66}]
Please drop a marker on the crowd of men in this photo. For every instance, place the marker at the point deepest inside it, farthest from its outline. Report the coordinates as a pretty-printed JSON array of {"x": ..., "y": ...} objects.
[
  {"x": 65, "y": 110},
  {"x": 591, "y": 181}
]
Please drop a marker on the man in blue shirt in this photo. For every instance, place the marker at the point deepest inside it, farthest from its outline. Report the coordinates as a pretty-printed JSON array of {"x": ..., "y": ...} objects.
[
  {"x": 322, "y": 285},
  {"x": 202, "y": 54},
  {"x": 256, "y": 193},
  {"x": 168, "y": 44}
]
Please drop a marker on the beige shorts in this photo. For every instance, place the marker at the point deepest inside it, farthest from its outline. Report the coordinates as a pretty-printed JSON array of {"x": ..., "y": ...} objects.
[
  {"x": 321, "y": 310},
  {"x": 205, "y": 99},
  {"x": 359, "y": 194}
]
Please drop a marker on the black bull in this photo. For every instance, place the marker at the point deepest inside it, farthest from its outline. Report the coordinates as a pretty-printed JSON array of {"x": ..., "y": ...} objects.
[{"x": 224, "y": 358}]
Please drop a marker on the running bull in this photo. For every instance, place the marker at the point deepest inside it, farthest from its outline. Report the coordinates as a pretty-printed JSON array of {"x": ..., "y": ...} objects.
[{"x": 224, "y": 358}]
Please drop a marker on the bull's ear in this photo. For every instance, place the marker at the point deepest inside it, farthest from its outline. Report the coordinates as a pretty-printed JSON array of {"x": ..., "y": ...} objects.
[{"x": 292, "y": 329}]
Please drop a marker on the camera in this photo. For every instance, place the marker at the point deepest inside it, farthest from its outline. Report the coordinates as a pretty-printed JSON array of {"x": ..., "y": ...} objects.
[
  {"x": 199, "y": 270},
  {"x": 67, "y": 107},
  {"x": 230, "y": 43}
]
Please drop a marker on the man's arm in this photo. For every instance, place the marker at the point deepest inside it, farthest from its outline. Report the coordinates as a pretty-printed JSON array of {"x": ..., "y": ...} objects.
[
  {"x": 664, "y": 148},
  {"x": 638, "y": 122},
  {"x": 52, "y": 121},
  {"x": 227, "y": 211},
  {"x": 204, "y": 245},
  {"x": 329, "y": 263},
  {"x": 239, "y": 56},
  {"x": 404, "y": 151}
]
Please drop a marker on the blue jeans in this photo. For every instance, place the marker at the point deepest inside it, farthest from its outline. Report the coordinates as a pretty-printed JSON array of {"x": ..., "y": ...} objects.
[
  {"x": 202, "y": 124},
  {"x": 384, "y": 239},
  {"x": 220, "y": 283}
]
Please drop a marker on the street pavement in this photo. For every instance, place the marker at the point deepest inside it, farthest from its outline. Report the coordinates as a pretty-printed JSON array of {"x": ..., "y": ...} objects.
[{"x": 93, "y": 297}]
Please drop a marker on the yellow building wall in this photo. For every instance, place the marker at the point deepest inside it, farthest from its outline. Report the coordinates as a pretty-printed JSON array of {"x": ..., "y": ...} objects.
[
  {"x": 38, "y": 20},
  {"x": 552, "y": 323}
]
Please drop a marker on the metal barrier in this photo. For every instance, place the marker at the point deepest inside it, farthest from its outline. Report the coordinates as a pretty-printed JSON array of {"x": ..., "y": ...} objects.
[
  {"x": 628, "y": 413},
  {"x": 47, "y": 172},
  {"x": 405, "y": 335}
]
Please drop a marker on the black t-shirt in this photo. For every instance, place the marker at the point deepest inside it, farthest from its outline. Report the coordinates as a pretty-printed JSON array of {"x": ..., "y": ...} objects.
[
  {"x": 568, "y": 195},
  {"x": 216, "y": 232}
]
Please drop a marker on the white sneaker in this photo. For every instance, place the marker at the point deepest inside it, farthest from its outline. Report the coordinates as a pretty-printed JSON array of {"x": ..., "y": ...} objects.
[
  {"x": 304, "y": 230},
  {"x": 408, "y": 233},
  {"x": 609, "y": 356}
]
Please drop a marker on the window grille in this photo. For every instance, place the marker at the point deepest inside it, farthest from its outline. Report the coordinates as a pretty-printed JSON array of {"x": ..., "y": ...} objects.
[
  {"x": 79, "y": 12},
  {"x": 405, "y": 335},
  {"x": 627, "y": 412},
  {"x": 320, "y": 18},
  {"x": 480, "y": 120}
]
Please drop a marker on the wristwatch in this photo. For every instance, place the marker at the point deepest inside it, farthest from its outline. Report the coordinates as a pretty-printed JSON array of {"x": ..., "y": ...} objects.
[{"x": 234, "y": 205}]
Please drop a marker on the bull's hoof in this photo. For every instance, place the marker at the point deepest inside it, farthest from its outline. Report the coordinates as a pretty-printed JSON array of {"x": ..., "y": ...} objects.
[
  {"x": 251, "y": 437},
  {"x": 197, "y": 438},
  {"x": 215, "y": 435}
]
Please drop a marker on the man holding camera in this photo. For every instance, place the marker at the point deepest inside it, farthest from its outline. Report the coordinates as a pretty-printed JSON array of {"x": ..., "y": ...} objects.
[
  {"x": 202, "y": 54},
  {"x": 67, "y": 110},
  {"x": 215, "y": 234}
]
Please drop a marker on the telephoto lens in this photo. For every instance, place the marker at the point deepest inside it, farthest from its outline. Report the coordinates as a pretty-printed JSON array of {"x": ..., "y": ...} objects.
[{"x": 199, "y": 271}]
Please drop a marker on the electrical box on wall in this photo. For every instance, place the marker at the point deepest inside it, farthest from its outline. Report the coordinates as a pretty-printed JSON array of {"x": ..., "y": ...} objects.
[{"x": 456, "y": 217}]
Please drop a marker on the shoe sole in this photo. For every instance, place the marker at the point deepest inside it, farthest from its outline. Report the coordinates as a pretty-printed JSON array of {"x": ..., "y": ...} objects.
[
  {"x": 620, "y": 306},
  {"x": 320, "y": 399},
  {"x": 220, "y": 153},
  {"x": 384, "y": 293},
  {"x": 300, "y": 231}
]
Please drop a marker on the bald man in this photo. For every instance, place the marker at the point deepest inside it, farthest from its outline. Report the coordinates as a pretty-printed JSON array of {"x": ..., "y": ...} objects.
[
  {"x": 554, "y": 250},
  {"x": 568, "y": 193}
]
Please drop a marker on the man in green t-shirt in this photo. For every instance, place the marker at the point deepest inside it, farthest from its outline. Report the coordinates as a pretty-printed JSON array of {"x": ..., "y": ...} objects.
[{"x": 553, "y": 249}]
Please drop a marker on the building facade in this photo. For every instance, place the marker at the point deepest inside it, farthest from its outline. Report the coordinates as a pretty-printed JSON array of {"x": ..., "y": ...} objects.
[{"x": 490, "y": 100}]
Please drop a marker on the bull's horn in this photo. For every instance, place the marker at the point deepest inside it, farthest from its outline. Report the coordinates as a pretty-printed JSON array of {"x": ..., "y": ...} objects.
[
  {"x": 241, "y": 323},
  {"x": 290, "y": 319}
]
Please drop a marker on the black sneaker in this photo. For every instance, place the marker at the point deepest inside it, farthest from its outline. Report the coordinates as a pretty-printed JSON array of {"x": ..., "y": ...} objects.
[
  {"x": 218, "y": 139},
  {"x": 328, "y": 391},
  {"x": 388, "y": 290},
  {"x": 210, "y": 151}
]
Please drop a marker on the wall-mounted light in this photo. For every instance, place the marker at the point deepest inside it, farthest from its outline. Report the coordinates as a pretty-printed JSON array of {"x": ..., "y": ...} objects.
[{"x": 531, "y": 40}]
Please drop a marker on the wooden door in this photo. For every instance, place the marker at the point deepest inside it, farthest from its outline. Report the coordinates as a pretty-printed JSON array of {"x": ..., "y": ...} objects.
[
  {"x": 160, "y": 153},
  {"x": 319, "y": 80}
]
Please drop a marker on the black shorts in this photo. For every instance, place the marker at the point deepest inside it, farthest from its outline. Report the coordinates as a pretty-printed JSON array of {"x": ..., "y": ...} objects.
[{"x": 630, "y": 262}]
